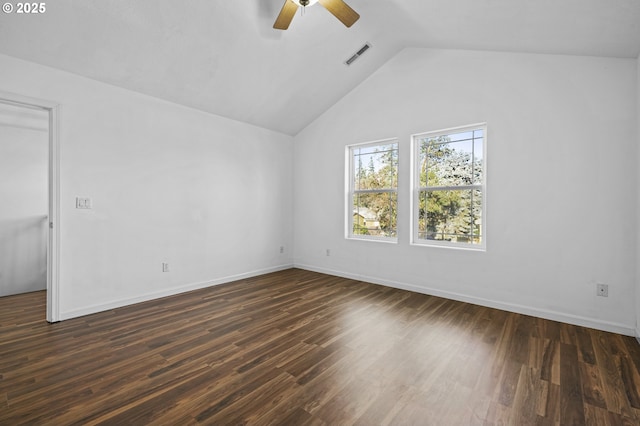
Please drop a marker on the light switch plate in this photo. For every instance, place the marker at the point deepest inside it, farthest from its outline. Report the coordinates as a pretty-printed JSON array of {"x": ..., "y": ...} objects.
[{"x": 83, "y": 203}]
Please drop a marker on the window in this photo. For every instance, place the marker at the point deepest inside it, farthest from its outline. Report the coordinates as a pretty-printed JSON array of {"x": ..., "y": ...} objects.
[
  {"x": 449, "y": 187},
  {"x": 372, "y": 190}
]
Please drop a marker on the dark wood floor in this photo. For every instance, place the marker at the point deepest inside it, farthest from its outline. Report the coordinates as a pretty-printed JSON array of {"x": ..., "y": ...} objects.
[{"x": 298, "y": 348}]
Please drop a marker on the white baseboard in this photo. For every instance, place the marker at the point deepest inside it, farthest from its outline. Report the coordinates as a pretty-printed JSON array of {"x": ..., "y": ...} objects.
[
  {"x": 612, "y": 327},
  {"x": 167, "y": 292},
  {"x": 511, "y": 307}
]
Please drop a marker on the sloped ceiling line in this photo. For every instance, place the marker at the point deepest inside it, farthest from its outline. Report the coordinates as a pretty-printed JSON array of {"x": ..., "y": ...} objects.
[{"x": 224, "y": 57}]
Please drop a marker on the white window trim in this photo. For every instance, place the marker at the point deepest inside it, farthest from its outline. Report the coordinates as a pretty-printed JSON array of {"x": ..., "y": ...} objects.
[
  {"x": 415, "y": 190},
  {"x": 349, "y": 191}
]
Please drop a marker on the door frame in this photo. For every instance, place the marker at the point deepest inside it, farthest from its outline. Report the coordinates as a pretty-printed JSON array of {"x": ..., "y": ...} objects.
[{"x": 53, "y": 236}]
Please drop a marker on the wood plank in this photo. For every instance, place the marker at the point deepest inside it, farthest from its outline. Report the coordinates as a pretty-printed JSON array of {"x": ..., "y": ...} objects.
[
  {"x": 550, "y": 368},
  {"x": 631, "y": 381},
  {"x": 613, "y": 386},
  {"x": 528, "y": 391},
  {"x": 592, "y": 385},
  {"x": 551, "y": 407},
  {"x": 585, "y": 346},
  {"x": 571, "y": 399}
]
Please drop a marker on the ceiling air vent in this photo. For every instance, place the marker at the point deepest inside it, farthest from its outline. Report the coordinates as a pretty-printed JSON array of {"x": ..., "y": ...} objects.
[{"x": 358, "y": 54}]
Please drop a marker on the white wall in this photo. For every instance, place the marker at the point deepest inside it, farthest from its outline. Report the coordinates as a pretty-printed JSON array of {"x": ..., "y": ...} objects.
[
  {"x": 561, "y": 181},
  {"x": 24, "y": 148},
  {"x": 210, "y": 196}
]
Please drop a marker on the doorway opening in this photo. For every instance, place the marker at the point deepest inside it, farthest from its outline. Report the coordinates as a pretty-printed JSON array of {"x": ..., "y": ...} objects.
[{"x": 24, "y": 119}]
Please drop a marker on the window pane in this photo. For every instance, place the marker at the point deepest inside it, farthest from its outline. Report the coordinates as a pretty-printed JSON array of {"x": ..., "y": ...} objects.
[
  {"x": 375, "y": 167},
  {"x": 477, "y": 231},
  {"x": 461, "y": 136},
  {"x": 478, "y": 163},
  {"x": 374, "y": 213},
  {"x": 451, "y": 160},
  {"x": 451, "y": 216}
]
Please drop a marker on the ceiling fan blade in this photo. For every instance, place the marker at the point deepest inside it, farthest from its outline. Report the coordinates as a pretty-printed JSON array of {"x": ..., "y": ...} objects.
[
  {"x": 286, "y": 15},
  {"x": 341, "y": 10}
]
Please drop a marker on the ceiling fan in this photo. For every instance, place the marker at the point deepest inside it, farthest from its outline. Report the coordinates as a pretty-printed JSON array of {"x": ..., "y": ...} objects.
[{"x": 338, "y": 8}]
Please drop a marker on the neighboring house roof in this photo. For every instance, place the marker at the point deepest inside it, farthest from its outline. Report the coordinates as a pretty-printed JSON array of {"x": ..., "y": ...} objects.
[{"x": 365, "y": 213}]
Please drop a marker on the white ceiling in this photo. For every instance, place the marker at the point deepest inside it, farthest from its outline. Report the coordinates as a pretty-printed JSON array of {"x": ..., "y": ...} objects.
[{"x": 224, "y": 57}]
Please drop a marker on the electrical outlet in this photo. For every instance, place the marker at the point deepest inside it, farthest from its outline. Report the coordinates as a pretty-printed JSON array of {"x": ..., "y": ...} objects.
[
  {"x": 165, "y": 267},
  {"x": 603, "y": 290},
  {"x": 281, "y": 249}
]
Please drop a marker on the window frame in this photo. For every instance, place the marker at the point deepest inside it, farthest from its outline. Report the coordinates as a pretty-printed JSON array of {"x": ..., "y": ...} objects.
[
  {"x": 350, "y": 190},
  {"x": 416, "y": 189}
]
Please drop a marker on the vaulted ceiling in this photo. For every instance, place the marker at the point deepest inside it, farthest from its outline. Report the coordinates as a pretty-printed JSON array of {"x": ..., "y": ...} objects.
[{"x": 224, "y": 57}]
